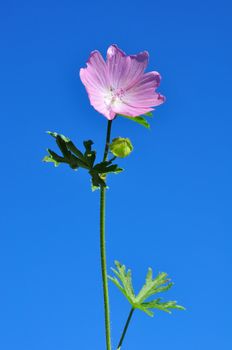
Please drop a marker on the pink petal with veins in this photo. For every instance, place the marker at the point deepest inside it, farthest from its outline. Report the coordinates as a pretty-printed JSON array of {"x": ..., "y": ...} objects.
[{"x": 119, "y": 85}]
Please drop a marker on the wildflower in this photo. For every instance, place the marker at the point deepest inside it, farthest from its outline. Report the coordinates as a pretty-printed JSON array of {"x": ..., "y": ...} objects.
[{"x": 119, "y": 84}]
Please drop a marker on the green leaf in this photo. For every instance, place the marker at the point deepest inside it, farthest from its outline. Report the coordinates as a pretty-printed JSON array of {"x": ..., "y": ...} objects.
[
  {"x": 160, "y": 305},
  {"x": 88, "y": 146},
  {"x": 71, "y": 154},
  {"x": 123, "y": 280},
  {"x": 97, "y": 180},
  {"x": 49, "y": 159},
  {"x": 89, "y": 155},
  {"x": 149, "y": 114},
  {"x": 151, "y": 285},
  {"x": 55, "y": 134},
  {"x": 67, "y": 147},
  {"x": 76, "y": 151},
  {"x": 99, "y": 171},
  {"x": 54, "y": 158},
  {"x": 63, "y": 147},
  {"x": 106, "y": 167},
  {"x": 140, "y": 120},
  {"x": 114, "y": 169}
]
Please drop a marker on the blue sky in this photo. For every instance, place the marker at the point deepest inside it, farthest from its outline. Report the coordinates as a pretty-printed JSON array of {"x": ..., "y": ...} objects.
[{"x": 170, "y": 209}]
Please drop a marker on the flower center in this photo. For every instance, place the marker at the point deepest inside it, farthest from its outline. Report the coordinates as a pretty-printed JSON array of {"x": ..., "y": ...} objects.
[{"x": 113, "y": 97}]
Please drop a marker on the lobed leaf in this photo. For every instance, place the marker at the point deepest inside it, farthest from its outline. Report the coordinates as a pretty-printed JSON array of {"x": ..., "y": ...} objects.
[
  {"x": 123, "y": 280},
  {"x": 126, "y": 283},
  {"x": 151, "y": 285},
  {"x": 72, "y": 156},
  {"x": 49, "y": 159},
  {"x": 163, "y": 306}
]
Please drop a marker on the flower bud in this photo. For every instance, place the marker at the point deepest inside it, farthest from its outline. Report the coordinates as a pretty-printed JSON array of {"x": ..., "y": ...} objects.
[{"x": 121, "y": 147}]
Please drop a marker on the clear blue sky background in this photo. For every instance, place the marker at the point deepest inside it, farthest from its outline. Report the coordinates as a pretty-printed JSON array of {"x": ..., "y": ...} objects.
[{"x": 170, "y": 209}]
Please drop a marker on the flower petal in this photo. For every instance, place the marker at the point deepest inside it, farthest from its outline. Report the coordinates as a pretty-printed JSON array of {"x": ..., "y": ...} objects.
[
  {"x": 118, "y": 65},
  {"x": 142, "y": 94},
  {"x": 96, "y": 72},
  {"x": 96, "y": 81},
  {"x": 138, "y": 64},
  {"x": 124, "y": 71},
  {"x": 149, "y": 80},
  {"x": 131, "y": 111}
]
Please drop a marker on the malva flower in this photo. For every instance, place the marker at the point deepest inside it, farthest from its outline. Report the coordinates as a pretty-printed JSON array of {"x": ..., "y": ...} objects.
[{"x": 119, "y": 84}]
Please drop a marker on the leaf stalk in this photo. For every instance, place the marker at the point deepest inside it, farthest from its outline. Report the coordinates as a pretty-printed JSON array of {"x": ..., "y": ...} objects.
[{"x": 125, "y": 328}]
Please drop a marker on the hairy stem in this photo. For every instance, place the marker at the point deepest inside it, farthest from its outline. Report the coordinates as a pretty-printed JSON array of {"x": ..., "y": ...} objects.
[
  {"x": 103, "y": 246},
  {"x": 108, "y": 132},
  {"x": 125, "y": 329}
]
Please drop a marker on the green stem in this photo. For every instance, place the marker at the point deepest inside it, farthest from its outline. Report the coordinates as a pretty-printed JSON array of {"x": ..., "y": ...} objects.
[
  {"x": 125, "y": 329},
  {"x": 108, "y": 132},
  {"x": 103, "y": 246}
]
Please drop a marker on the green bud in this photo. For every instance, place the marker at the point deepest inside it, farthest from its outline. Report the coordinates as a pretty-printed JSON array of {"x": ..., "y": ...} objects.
[{"x": 121, "y": 147}]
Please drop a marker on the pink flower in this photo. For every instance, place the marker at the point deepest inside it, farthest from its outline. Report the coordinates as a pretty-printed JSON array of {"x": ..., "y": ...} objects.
[{"x": 119, "y": 85}]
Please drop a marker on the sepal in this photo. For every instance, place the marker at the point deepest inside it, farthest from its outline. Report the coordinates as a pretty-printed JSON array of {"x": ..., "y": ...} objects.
[{"x": 139, "y": 119}]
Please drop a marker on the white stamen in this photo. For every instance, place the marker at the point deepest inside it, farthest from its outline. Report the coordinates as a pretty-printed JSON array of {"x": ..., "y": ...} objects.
[{"x": 113, "y": 98}]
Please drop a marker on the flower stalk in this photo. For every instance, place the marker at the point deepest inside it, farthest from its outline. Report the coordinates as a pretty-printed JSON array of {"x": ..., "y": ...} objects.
[{"x": 103, "y": 246}]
